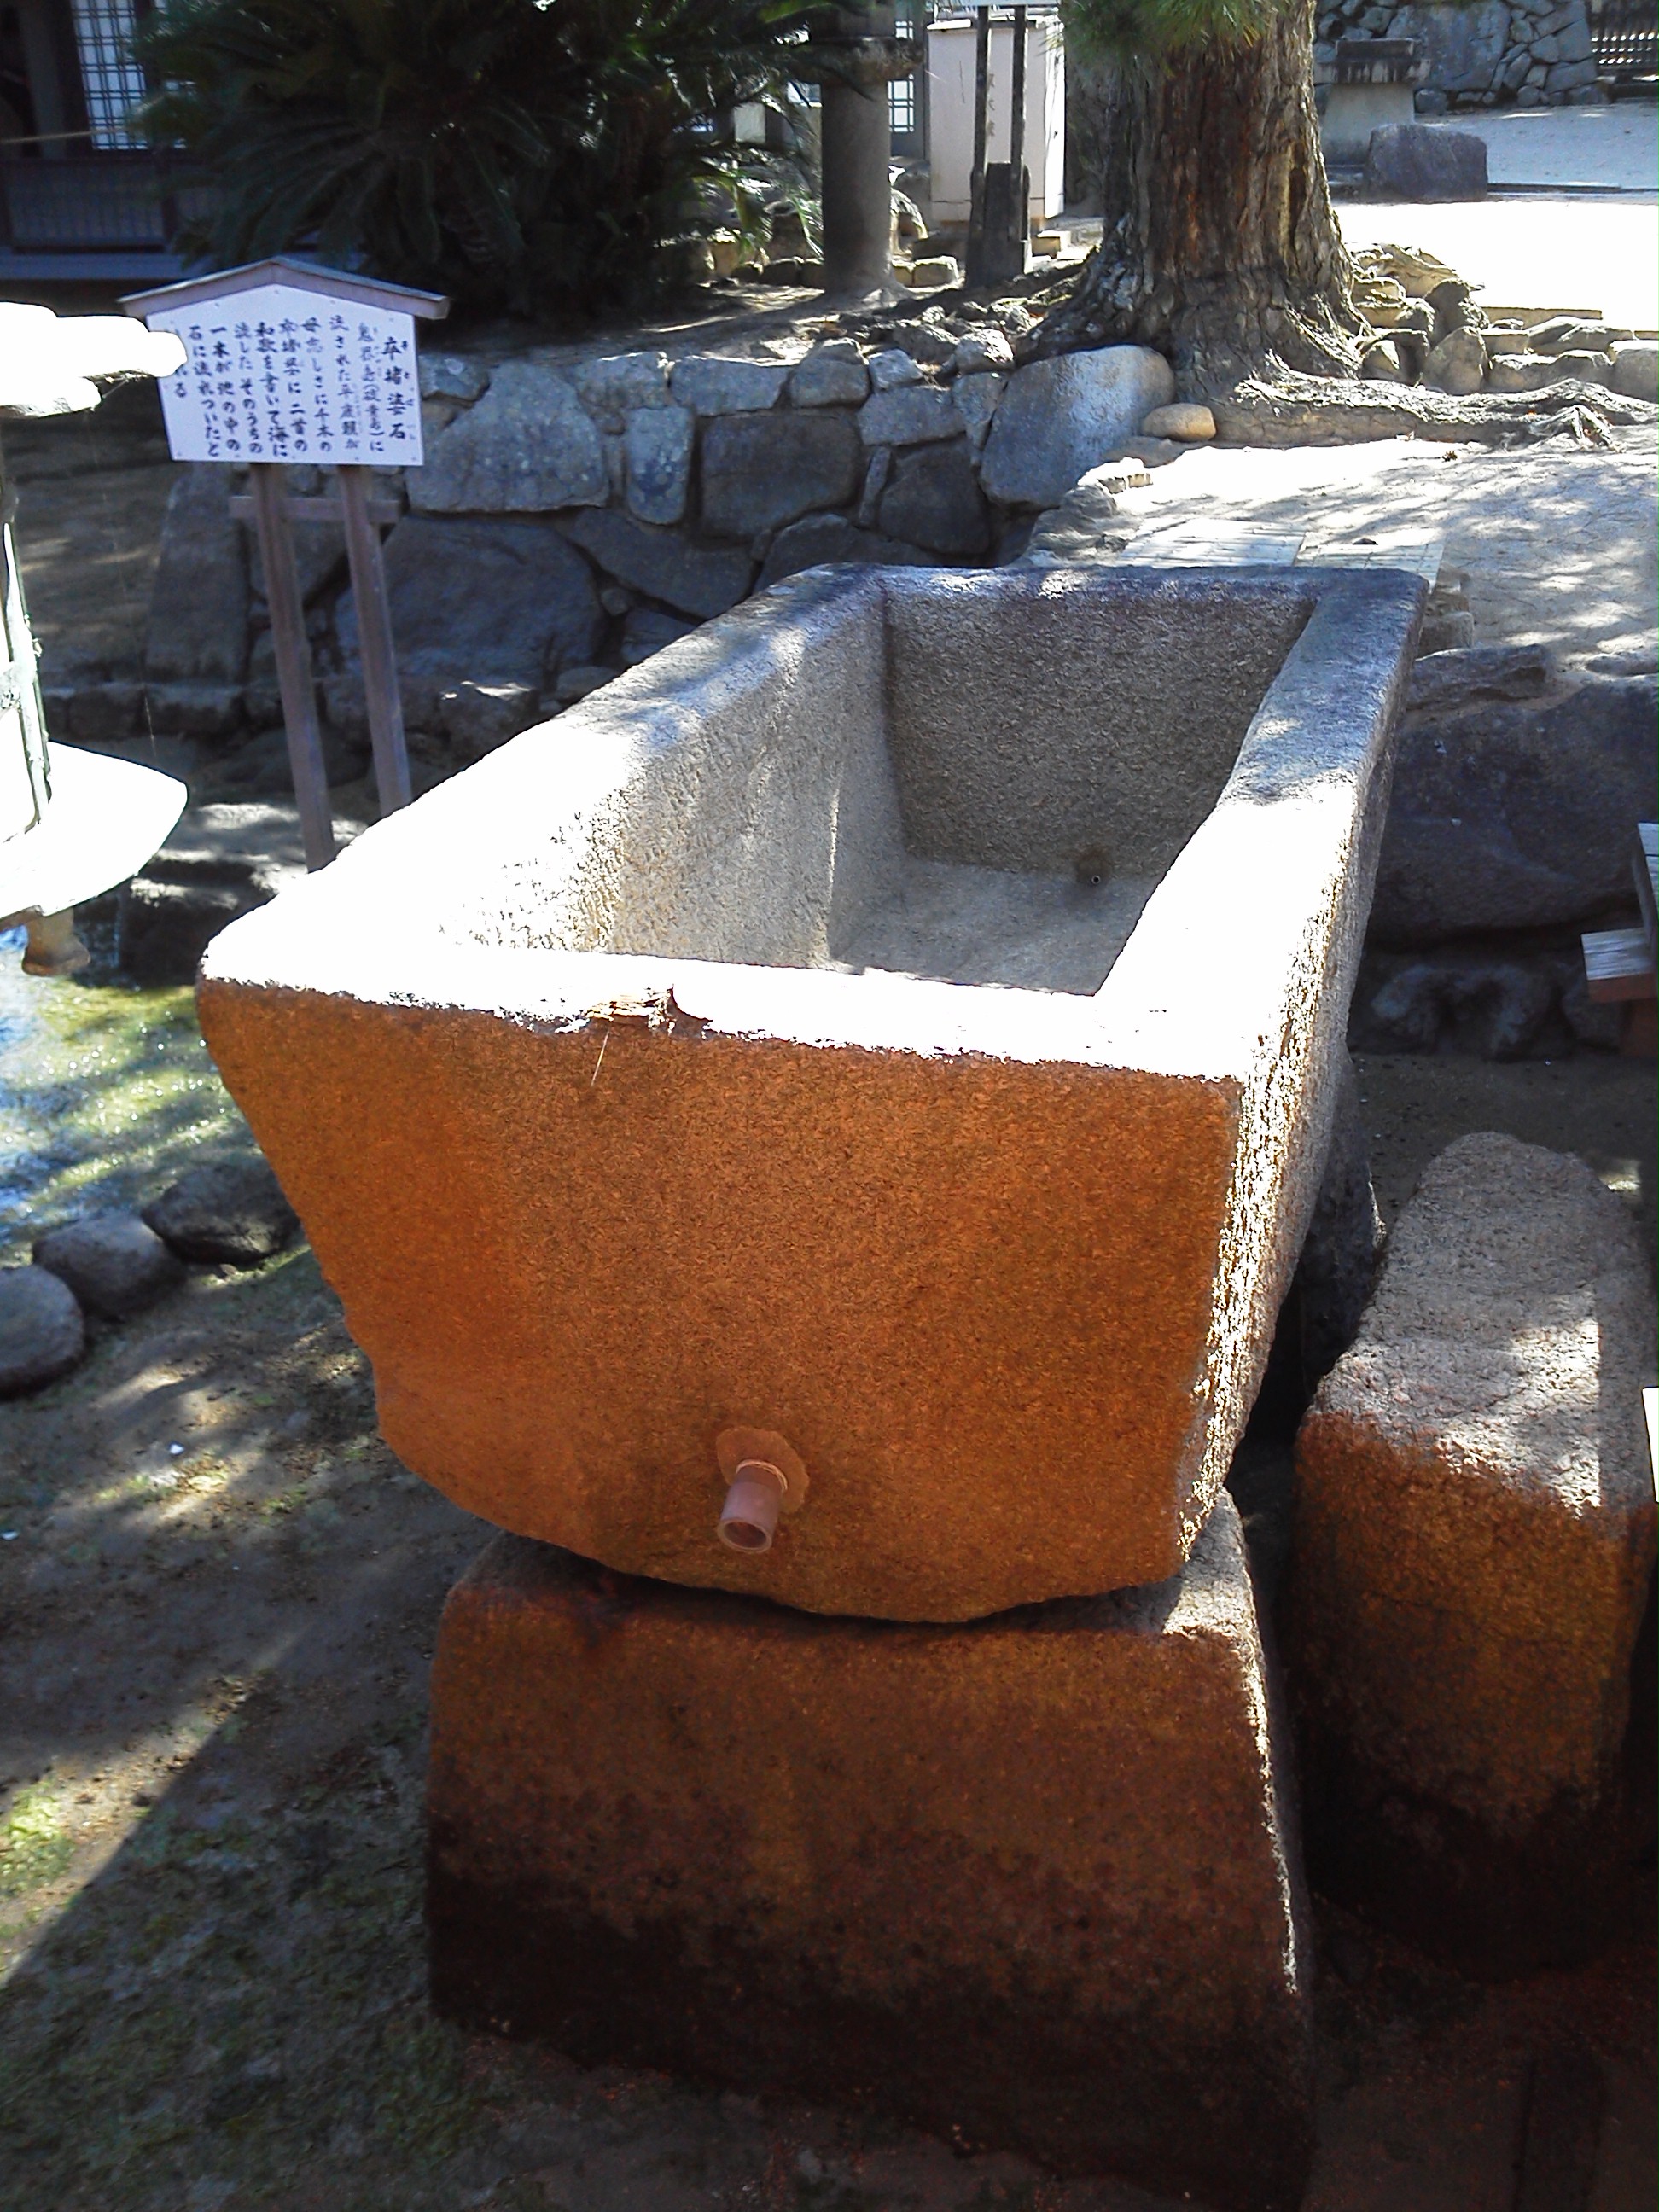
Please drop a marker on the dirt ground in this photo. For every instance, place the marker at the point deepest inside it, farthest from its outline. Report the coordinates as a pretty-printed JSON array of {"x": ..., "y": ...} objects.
[{"x": 220, "y": 1594}]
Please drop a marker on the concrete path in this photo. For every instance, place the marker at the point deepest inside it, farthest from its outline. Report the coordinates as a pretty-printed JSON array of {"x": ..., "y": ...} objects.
[
  {"x": 1559, "y": 545},
  {"x": 1615, "y": 147}
]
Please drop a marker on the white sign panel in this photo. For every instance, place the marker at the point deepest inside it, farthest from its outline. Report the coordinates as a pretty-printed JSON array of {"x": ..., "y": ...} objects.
[{"x": 282, "y": 374}]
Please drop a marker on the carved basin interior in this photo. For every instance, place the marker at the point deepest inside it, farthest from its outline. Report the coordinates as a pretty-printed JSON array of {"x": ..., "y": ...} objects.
[{"x": 900, "y": 1019}]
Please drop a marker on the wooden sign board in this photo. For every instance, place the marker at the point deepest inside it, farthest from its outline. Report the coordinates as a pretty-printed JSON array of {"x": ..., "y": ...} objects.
[
  {"x": 288, "y": 363},
  {"x": 279, "y": 374}
]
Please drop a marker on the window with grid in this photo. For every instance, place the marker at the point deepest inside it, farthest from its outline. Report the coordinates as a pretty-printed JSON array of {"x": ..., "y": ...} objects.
[{"x": 112, "y": 79}]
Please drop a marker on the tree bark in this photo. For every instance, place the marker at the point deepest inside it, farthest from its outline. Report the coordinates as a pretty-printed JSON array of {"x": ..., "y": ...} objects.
[{"x": 1225, "y": 252}]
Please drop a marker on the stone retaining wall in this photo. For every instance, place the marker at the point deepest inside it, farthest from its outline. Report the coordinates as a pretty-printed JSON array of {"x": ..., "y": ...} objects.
[
  {"x": 596, "y": 507},
  {"x": 1535, "y": 52}
]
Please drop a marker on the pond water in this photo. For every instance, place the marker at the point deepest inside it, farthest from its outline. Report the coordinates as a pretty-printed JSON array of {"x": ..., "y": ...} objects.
[{"x": 106, "y": 1094}]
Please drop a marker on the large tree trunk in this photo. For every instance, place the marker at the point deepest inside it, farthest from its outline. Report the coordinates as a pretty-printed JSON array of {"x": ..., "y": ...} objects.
[{"x": 1225, "y": 252}]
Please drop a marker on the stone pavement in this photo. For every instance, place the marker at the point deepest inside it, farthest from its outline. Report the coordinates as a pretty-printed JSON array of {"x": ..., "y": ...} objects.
[
  {"x": 1615, "y": 147},
  {"x": 1557, "y": 545}
]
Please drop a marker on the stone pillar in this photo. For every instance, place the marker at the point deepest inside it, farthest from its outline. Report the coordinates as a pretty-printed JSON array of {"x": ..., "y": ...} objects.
[
  {"x": 857, "y": 141},
  {"x": 853, "y": 58}
]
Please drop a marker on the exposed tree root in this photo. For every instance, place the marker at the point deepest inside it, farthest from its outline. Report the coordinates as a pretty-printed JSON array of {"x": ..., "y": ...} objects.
[{"x": 1289, "y": 408}]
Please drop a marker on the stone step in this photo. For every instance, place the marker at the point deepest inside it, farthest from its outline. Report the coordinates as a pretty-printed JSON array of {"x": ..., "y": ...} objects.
[
  {"x": 1473, "y": 1540},
  {"x": 1025, "y": 1883}
]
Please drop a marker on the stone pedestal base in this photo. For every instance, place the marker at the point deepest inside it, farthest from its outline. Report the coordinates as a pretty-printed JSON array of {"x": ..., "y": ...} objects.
[
  {"x": 1473, "y": 1544},
  {"x": 1024, "y": 1883}
]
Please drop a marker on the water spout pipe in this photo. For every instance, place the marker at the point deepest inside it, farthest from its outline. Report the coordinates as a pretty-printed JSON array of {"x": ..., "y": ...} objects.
[{"x": 748, "y": 1517}]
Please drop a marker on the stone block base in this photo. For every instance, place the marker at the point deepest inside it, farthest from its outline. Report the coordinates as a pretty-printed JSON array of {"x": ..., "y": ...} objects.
[
  {"x": 1025, "y": 1883},
  {"x": 1474, "y": 1539}
]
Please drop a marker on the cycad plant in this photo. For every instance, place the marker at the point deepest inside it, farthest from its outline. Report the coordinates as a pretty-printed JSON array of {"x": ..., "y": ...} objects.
[{"x": 531, "y": 155}]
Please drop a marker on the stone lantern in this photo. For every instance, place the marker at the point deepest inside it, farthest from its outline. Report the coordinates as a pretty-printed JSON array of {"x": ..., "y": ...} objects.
[
  {"x": 854, "y": 54},
  {"x": 72, "y": 823}
]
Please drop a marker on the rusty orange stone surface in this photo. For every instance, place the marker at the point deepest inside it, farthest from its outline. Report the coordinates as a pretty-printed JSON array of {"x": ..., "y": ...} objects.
[
  {"x": 1473, "y": 1549},
  {"x": 1026, "y": 1882},
  {"x": 935, "y": 1073}
]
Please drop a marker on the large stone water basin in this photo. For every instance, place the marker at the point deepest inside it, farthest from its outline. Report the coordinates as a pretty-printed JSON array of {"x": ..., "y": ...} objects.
[{"x": 902, "y": 1017}]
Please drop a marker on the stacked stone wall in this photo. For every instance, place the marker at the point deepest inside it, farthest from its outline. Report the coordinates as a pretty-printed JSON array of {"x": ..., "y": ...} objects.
[{"x": 1534, "y": 52}]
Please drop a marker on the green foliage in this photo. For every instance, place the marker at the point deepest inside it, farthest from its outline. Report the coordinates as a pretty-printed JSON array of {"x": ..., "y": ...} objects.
[
  {"x": 34, "y": 1845},
  {"x": 531, "y": 155},
  {"x": 1111, "y": 30}
]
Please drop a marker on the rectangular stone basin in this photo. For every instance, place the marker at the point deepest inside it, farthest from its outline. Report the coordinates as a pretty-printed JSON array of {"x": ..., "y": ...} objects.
[{"x": 900, "y": 1018}]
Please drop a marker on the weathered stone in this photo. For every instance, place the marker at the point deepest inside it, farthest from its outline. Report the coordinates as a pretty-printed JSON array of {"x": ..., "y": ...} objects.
[
  {"x": 475, "y": 718},
  {"x": 709, "y": 385},
  {"x": 832, "y": 375},
  {"x": 662, "y": 564},
  {"x": 198, "y": 605},
  {"x": 194, "y": 710},
  {"x": 318, "y": 558},
  {"x": 830, "y": 538},
  {"x": 576, "y": 684},
  {"x": 42, "y": 1334},
  {"x": 453, "y": 376},
  {"x": 934, "y": 500},
  {"x": 1635, "y": 369},
  {"x": 979, "y": 350},
  {"x": 954, "y": 1869},
  {"x": 1464, "y": 47},
  {"x": 1059, "y": 418},
  {"x": 1458, "y": 363},
  {"x": 528, "y": 606},
  {"x": 100, "y": 712},
  {"x": 1474, "y": 1539},
  {"x": 908, "y": 415},
  {"x": 1573, "y": 40},
  {"x": 528, "y": 447},
  {"x": 646, "y": 630},
  {"x": 926, "y": 340},
  {"x": 1513, "y": 816},
  {"x": 760, "y": 471},
  {"x": 1566, "y": 77},
  {"x": 739, "y": 815},
  {"x": 974, "y": 397},
  {"x": 876, "y": 470},
  {"x": 1185, "y": 421},
  {"x": 115, "y": 1264},
  {"x": 1385, "y": 362},
  {"x": 659, "y": 454},
  {"x": 935, "y": 272},
  {"x": 618, "y": 383},
  {"x": 1453, "y": 305},
  {"x": 1520, "y": 371},
  {"x": 1444, "y": 682},
  {"x": 1415, "y": 162},
  {"x": 1485, "y": 1007},
  {"x": 1448, "y": 633},
  {"x": 228, "y": 1210},
  {"x": 892, "y": 369}
]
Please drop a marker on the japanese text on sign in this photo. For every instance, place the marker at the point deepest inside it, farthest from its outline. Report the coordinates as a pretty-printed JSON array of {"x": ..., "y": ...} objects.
[{"x": 279, "y": 374}]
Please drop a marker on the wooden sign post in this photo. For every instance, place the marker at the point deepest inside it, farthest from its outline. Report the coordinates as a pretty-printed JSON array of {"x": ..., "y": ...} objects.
[{"x": 287, "y": 363}]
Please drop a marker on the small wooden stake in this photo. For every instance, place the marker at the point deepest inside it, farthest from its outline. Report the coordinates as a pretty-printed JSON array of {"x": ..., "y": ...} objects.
[
  {"x": 293, "y": 679},
  {"x": 976, "y": 176},
  {"x": 1017, "y": 128},
  {"x": 386, "y": 706}
]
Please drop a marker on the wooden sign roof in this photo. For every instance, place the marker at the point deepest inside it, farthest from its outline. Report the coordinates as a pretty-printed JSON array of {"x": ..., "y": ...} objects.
[{"x": 303, "y": 276}]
